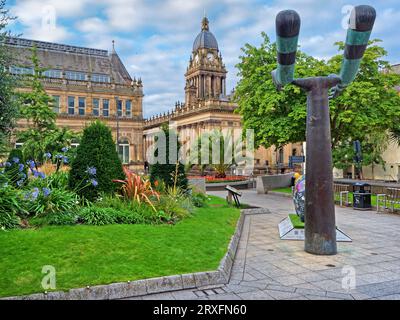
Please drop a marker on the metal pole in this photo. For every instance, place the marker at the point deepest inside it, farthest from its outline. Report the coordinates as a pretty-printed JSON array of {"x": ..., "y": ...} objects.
[{"x": 320, "y": 225}]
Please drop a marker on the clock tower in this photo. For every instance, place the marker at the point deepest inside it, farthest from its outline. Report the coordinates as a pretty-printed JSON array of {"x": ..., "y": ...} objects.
[{"x": 206, "y": 73}]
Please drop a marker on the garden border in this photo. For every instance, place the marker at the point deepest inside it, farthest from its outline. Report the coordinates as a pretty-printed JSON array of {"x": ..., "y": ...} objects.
[{"x": 155, "y": 285}]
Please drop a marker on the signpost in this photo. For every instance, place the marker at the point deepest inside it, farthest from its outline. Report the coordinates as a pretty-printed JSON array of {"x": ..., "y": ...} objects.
[
  {"x": 296, "y": 159},
  {"x": 235, "y": 194}
]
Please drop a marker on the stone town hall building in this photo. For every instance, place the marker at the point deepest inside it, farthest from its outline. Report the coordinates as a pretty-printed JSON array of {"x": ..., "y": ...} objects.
[
  {"x": 207, "y": 105},
  {"x": 90, "y": 84}
]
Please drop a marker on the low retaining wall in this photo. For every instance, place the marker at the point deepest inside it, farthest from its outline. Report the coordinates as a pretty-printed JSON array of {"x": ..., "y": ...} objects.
[
  {"x": 267, "y": 183},
  {"x": 155, "y": 285}
]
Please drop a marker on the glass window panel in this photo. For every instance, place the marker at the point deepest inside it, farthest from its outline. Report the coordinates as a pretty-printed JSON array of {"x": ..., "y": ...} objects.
[
  {"x": 128, "y": 108},
  {"x": 52, "y": 73},
  {"x": 106, "y": 107},
  {"x": 100, "y": 78},
  {"x": 71, "y": 105},
  {"x": 119, "y": 108},
  {"x": 21, "y": 70},
  {"x": 96, "y": 107},
  {"x": 56, "y": 104},
  {"x": 81, "y": 106},
  {"x": 74, "y": 75}
]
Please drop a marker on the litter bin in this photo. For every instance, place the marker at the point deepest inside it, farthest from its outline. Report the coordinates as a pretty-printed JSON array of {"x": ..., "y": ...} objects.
[{"x": 362, "y": 196}]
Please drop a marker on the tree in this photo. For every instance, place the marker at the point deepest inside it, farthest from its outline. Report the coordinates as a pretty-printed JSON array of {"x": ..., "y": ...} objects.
[
  {"x": 96, "y": 156},
  {"x": 169, "y": 172},
  {"x": 42, "y": 135},
  {"x": 36, "y": 108},
  {"x": 8, "y": 105},
  {"x": 369, "y": 106}
]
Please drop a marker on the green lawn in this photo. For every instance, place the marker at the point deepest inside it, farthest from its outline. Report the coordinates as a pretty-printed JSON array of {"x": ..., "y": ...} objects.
[
  {"x": 296, "y": 221},
  {"x": 91, "y": 255},
  {"x": 283, "y": 190}
]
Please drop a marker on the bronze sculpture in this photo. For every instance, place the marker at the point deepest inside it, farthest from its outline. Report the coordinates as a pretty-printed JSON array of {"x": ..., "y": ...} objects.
[{"x": 320, "y": 225}]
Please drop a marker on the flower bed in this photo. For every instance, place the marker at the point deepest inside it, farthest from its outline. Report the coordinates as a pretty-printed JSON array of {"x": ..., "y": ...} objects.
[{"x": 212, "y": 179}]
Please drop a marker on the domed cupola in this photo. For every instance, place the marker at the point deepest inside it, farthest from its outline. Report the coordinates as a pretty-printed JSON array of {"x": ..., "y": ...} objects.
[{"x": 205, "y": 39}]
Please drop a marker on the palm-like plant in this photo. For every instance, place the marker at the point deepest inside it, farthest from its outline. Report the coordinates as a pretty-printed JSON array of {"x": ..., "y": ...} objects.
[
  {"x": 229, "y": 151},
  {"x": 136, "y": 189}
]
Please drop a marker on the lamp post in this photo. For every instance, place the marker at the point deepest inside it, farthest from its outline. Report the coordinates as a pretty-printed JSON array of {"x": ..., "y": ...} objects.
[{"x": 320, "y": 225}]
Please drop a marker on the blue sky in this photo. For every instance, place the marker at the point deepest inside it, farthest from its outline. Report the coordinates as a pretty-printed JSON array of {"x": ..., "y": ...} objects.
[{"x": 154, "y": 37}]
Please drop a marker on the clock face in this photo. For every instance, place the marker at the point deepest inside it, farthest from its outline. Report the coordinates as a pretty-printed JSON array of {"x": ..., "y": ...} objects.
[{"x": 210, "y": 57}]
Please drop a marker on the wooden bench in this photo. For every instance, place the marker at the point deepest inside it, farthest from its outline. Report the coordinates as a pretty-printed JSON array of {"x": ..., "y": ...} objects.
[
  {"x": 235, "y": 194},
  {"x": 392, "y": 197},
  {"x": 342, "y": 190}
]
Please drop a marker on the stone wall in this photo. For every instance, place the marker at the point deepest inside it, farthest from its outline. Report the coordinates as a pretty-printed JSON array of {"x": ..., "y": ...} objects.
[{"x": 267, "y": 183}]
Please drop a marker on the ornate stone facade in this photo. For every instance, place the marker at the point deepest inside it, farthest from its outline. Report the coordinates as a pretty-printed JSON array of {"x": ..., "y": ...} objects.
[
  {"x": 208, "y": 107},
  {"x": 88, "y": 84}
]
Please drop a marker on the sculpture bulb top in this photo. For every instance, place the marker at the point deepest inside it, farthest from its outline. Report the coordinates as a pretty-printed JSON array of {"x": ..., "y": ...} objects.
[
  {"x": 288, "y": 24},
  {"x": 287, "y": 37},
  {"x": 362, "y": 18}
]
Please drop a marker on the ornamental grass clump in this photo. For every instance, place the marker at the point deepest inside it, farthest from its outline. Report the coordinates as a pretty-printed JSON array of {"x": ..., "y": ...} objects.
[{"x": 136, "y": 189}]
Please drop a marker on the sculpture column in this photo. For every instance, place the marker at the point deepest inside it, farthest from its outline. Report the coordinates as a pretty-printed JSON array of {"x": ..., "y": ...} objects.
[{"x": 320, "y": 226}]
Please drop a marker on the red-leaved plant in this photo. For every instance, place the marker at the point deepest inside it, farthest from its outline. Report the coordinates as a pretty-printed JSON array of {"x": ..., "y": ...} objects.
[{"x": 136, "y": 189}]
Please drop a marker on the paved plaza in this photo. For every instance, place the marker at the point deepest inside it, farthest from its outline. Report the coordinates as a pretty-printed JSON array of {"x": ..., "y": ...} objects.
[{"x": 267, "y": 268}]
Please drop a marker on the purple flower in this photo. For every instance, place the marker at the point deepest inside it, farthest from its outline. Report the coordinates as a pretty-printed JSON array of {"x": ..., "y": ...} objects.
[
  {"x": 65, "y": 160},
  {"x": 59, "y": 156},
  {"x": 47, "y": 155},
  {"x": 21, "y": 167},
  {"x": 20, "y": 182},
  {"x": 8, "y": 164},
  {"x": 31, "y": 164},
  {"x": 15, "y": 160},
  {"x": 1, "y": 164},
  {"x": 94, "y": 182},
  {"x": 38, "y": 174},
  {"x": 23, "y": 176},
  {"x": 91, "y": 171},
  {"x": 35, "y": 193},
  {"x": 46, "y": 192},
  {"x": 65, "y": 149}
]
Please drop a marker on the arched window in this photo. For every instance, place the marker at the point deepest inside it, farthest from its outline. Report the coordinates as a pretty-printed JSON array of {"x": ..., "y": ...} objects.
[{"x": 123, "y": 150}]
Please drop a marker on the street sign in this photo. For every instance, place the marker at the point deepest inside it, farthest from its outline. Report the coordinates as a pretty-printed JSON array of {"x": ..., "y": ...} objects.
[{"x": 296, "y": 159}]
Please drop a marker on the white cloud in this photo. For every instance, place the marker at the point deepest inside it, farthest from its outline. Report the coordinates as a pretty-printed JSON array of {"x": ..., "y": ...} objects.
[{"x": 154, "y": 38}]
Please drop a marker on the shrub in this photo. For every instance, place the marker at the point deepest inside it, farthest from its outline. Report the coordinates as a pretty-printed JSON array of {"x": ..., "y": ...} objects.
[
  {"x": 56, "y": 180},
  {"x": 97, "y": 216},
  {"x": 199, "y": 199},
  {"x": 15, "y": 169},
  {"x": 175, "y": 203},
  {"x": 44, "y": 201},
  {"x": 10, "y": 207},
  {"x": 56, "y": 219},
  {"x": 97, "y": 150},
  {"x": 8, "y": 220},
  {"x": 169, "y": 172},
  {"x": 129, "y": 212}
]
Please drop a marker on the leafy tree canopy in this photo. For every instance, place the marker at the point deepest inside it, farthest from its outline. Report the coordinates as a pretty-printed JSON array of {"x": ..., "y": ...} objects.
[
  {"x": 8, "y": 105},
  {"x": 368, "y": 107}
]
